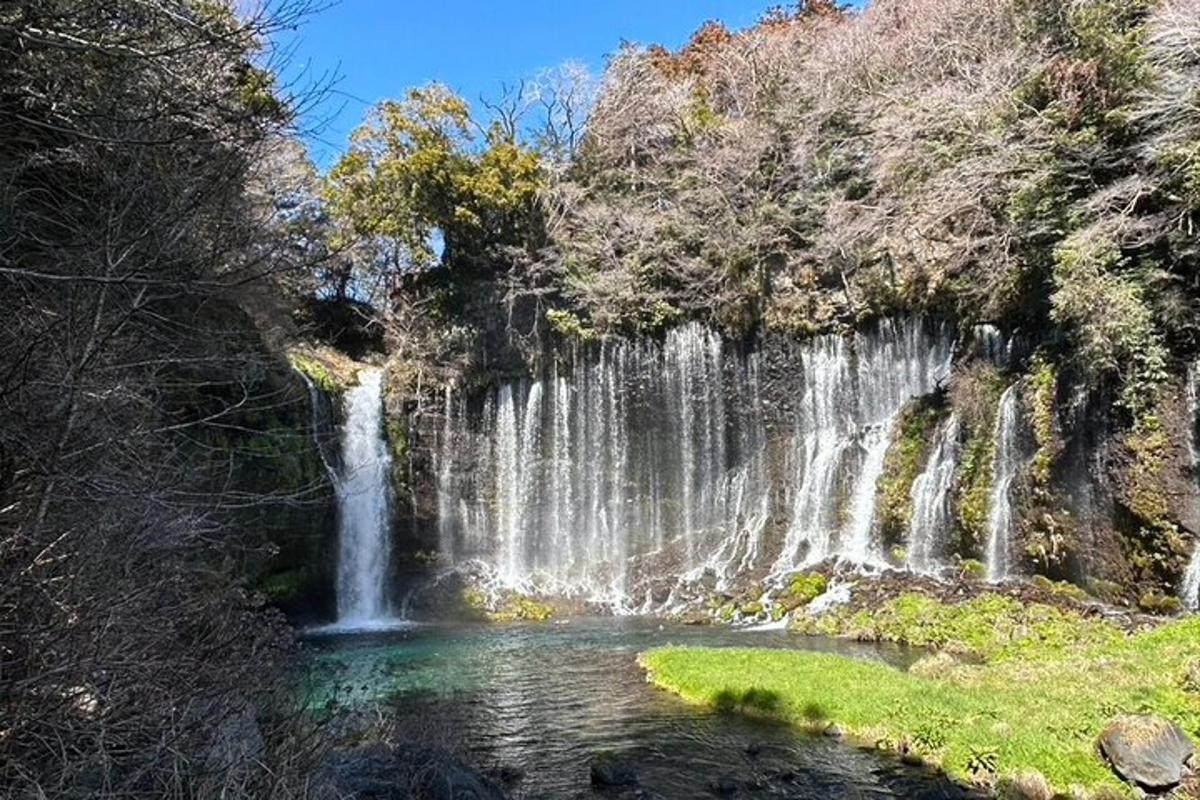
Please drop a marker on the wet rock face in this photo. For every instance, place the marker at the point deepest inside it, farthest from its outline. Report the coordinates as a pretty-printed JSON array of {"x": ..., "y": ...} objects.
[
  {"x": 1151, "y": 752},
  {"x": 382, "y": 772}
]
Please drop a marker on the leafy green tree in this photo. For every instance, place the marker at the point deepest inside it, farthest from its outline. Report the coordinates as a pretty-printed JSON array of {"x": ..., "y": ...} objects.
[{"x": 414, "y": 176}]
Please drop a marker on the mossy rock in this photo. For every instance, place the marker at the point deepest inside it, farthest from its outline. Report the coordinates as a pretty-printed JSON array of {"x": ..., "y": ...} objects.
[
  {"x": 752, "y": 609},
  {"x": 804, "y": 588},
  {"x": 1109, "y": 591},
  {"x": 972, "y": 569},
  {"x": 905, "y": 458},
  {"x": 1063, "y": 589},
  {"x": 316, "y": 372},
  {"x": 284, "y": 587},
  {"x": 510, "y": 608},
  {"x": 522, "y": 609},
  {"x": 1153, "y": 602}
]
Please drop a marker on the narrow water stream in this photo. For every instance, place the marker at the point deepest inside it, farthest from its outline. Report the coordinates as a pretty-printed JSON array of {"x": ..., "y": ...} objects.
[{"x": 544, "y": 699}]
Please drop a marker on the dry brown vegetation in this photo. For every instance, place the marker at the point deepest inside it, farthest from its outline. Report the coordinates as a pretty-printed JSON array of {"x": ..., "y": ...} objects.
[
  {"x": 141, "y": 404},
  {"x": 1026, "y": 162}
]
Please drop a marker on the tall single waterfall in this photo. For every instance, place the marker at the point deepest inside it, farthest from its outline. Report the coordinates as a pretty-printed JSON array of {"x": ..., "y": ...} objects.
[
  {"x": 363, "y": 507},
  {"x": 632, "y": 462},
  {"x": 931, "y": 515},
  {"x": 1005, "y": 467},
  {"x": 1190, "y": 589}
]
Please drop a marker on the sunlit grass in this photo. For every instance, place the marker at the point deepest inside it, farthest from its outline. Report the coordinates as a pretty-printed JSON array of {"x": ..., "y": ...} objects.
[{"x": 1038, "y": 703}]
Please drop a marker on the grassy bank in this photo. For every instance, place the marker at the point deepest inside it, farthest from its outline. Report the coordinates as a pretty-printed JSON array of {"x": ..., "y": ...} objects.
[{"x": 1047, "y": 684}]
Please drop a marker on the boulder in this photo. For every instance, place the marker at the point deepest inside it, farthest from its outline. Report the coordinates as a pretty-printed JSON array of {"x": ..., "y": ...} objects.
[
  {"x": 385, "y": 772},
  {"x": 1148, "y": 751},
  {"x": 725, "y": 786},
  {"x": 609, "y": 770}
]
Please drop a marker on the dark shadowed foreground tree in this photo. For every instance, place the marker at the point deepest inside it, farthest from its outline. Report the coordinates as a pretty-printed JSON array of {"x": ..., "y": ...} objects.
[{"x": 139, "y": 400}]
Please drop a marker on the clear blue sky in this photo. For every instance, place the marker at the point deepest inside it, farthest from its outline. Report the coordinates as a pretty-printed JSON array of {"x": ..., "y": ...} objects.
[{"x": 379, "y": 48}]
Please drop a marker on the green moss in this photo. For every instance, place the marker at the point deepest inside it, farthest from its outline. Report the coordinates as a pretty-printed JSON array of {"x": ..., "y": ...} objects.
[
  {"x": 316, "y": 372},
  {"x": 568, "y": 325},
  {"x": 509, "y": 608},
  {"x": 1108, "y": 591},
  {"x": 1037, "y": 706},
  {"x": 397, "y": 433},
  {"x": 397, "y": 436},
  {"x": 752, "y": 609},
  {"x": 1064, "y": 589},
  {"x": 521, "y": 609},
  {"x": 902, "y": 464},
  {"x": 474, "y": 602},
  {"x": 971, "y": 568},
  {"x": 1043, "y": 383},
  {"x": 284, "y": 586},
  {"x": 976, "y": 396},
  {"x": 990, "y": 626},
  {"x": 1149, "y": 448},
  {"x": 1153, "y": 602},
  {"x": 804, "y": 588}
]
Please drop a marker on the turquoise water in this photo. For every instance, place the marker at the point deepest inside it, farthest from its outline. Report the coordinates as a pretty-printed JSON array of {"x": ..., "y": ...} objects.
[{"x": 539, "y": 701}]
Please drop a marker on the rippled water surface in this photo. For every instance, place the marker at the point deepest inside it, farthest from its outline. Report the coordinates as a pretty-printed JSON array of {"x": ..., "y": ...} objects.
[{"x": 542, "y": 700}]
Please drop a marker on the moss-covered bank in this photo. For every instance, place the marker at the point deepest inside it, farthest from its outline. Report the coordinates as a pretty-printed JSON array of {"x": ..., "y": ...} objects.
[{"x": 1041, "y": 685}]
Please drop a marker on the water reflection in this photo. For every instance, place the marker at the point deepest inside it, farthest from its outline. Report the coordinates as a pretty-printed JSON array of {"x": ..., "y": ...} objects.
[{"x": 544, "y": 699}]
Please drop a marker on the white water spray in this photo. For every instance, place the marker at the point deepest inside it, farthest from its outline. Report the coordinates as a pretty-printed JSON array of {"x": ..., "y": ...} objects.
[
  {"x": 364, "y": 514},
  {"x": 633, "y": 464},
  {"x": 931, "y": 516},
  {"x": 1005, "y": 467},
  {"x": 1190, "y": 589}
]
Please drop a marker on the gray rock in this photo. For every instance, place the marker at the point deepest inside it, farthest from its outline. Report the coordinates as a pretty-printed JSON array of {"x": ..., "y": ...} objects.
[
  {"x": 1148, "y": 751},
  {"x": 383, "y": 772},
  {"x": 608, "y": 770},
  {"x": 726, "y": 786}
]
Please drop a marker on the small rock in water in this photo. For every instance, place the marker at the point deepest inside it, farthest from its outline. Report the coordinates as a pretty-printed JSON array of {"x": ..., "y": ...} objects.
[
  {"x": 608, "y": 770},
  {"x": 384, "y": 772},
  {"x": 1148, "y": 751},
  {"x": 510, "y": 774},
  {"x": 725, "y": 786}
]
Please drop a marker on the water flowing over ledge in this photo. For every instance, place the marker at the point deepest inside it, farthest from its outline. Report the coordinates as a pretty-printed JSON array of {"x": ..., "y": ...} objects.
[
  {"x": 1190, "y": 589},
  {"x": 364, "y": 515},
  {"x": 635, "y": 466}
]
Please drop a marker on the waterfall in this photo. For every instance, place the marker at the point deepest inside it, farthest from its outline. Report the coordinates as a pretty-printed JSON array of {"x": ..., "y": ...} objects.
[
  {"x": 1005, "y": 467},
  {"x": 1190, "y": 589},
  {"x": 989, "y": 344},
  {"x": 632, "y": 464},
  {"x": 315, "y": 401},
  {"x": 1191, "y": 583},
  {"x": 363, "y": 495},
  {"x": 854, "y": 389},
  {"x": 931, "y": 515}
]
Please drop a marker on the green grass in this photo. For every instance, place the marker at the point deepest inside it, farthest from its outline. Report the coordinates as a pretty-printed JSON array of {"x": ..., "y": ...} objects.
[
  {"x": 989, "y": 626},
  {"x": 1048, "y": 685}
]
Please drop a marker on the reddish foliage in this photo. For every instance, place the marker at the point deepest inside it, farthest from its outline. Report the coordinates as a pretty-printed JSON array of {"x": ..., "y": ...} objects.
[
  {"x": 1079, "y": 85},
  {"x": 695, "y": 58}
]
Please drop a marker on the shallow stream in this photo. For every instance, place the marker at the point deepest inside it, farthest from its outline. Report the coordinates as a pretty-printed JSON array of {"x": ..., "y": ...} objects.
[{"x": 540, "y": 701}]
